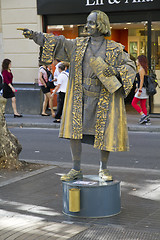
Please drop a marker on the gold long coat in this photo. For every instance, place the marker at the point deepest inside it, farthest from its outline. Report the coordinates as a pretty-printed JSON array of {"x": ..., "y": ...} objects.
[{"x": 111, "y": 132}]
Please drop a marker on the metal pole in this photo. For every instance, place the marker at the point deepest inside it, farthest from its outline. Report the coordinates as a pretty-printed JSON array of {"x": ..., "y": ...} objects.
[
  {"x": 149, "y": 42},
  {"x": 149, "y": 46}
]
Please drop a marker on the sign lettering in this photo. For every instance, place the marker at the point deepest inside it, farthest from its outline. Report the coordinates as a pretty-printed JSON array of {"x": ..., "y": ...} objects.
[
  {"x": 95, "y": 2},
  {"x": 138, "y": 1},
  {"x": 53, "y": 7},
  {"x": 113, "y": 1},
  {"x": 101, "y": 2}
]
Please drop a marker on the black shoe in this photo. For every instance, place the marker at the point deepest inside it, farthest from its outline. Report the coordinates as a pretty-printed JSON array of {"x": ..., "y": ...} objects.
[
  {"x": 56, "y": 121},
  {"x": 19, "y": 115},
  {"x": 143, "y": 119},
  {"x": 148, "y": 122},
  {"x": 45, "y": 115}
]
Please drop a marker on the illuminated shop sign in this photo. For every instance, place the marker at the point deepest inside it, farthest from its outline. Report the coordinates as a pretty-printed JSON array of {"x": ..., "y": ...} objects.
[{"x": 45, "y": 7}]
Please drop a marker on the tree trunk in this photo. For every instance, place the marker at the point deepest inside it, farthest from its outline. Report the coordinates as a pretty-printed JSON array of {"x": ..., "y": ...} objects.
[{"x": 10, "y": 147}]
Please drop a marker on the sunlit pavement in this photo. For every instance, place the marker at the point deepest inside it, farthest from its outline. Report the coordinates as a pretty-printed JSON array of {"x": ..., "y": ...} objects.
[{"x": 31, "y": 207}]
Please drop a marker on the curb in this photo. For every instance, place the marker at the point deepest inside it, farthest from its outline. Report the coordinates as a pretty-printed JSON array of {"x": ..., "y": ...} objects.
[
  {"x": 34, "y": 125},
  {"x": 131, "y": 128},
  {"x": 139, "y": 128}
]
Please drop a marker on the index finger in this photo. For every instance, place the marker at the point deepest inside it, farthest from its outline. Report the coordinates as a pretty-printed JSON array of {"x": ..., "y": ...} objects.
[{"x": 22, "y": 29}]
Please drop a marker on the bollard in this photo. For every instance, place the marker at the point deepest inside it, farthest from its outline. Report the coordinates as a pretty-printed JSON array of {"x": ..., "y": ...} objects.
[{"x": 74, "y": 200}]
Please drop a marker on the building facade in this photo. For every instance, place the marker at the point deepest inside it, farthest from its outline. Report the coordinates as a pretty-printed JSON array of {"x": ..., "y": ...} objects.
[
  {"x": 134, "y": 23},
  {"x": 23, "y": 53}
]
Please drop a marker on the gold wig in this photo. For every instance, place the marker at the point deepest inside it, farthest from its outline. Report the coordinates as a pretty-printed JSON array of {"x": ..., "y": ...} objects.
[{"x": 103, "y": 23}]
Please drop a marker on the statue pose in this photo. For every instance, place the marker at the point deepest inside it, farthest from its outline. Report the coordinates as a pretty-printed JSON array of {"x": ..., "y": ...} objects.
[{"x": 101, "y": 75}]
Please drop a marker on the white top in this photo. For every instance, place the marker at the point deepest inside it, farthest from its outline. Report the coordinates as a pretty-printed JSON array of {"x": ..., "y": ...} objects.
[
  {"x": 143, "y": 94},
  {"x": 62, "y": 80},
  {"x": 56, "y": 73}
]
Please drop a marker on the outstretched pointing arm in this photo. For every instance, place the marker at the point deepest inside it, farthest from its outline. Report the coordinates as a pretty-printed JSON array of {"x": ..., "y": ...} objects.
[{"x": 37, "y": 37}]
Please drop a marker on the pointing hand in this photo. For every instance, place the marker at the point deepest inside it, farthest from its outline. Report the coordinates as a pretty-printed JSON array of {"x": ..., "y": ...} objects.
[{"x": 26, "y": 32}]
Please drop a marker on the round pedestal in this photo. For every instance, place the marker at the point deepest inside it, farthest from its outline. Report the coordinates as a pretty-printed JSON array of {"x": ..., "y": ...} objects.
[{"x": 91, "y": 198}]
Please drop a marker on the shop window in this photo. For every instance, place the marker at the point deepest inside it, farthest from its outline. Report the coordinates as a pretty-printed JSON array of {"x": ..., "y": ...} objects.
[
  {"x": 155, "y": 63},
  {"x": 155, "y": 47},
  {"x": 137, "y": 39},
  {"x": 133, "y": 36},
  {"x": 69, "y": 31}
]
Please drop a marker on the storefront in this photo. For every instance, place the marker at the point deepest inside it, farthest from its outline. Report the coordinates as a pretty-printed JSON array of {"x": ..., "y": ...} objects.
[{"x": 134, "y": 23}]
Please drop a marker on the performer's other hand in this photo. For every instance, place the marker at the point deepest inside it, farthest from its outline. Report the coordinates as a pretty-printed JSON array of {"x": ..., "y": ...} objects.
[{"x": 110, "y": 71}]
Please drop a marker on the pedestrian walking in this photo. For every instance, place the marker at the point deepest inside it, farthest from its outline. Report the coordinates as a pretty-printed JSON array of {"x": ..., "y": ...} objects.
[
  {"x": 140, "y": 92},
  {"x": 42, "y": 81},
  {"x": 8, "y": 89},
  {"x": 60, "y": 89}
]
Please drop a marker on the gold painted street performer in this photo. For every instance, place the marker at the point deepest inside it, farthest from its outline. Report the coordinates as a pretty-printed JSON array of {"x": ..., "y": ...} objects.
[{"x": 101, "y": 76}]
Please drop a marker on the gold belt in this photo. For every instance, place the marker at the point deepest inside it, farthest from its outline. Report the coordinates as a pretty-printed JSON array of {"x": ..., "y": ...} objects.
[
  {"x": 91, "y": 81},
  {"x": 90, "y": 94}
]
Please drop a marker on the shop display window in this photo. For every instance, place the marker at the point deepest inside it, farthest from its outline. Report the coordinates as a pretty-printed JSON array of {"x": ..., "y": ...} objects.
[{"x": 155, "y": 63}]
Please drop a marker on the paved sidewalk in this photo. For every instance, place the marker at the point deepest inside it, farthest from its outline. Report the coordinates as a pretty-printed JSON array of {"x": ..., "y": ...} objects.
[
  {"x": 31, "y": 207},
  {"x": 38, "y": 121}
]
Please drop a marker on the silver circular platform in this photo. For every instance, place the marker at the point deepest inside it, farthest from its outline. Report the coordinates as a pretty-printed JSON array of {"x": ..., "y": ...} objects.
[{"x": 91, "y": 198}]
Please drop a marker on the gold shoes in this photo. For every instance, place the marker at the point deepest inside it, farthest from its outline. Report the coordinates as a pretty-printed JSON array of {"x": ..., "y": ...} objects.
[
  {"x": 77, "y": 175},
  {"x": 105, "y": 175},
  {"x": 72, "y": 175}
]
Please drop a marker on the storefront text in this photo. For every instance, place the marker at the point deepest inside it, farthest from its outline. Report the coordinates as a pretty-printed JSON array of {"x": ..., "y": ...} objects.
[{"x": 101, "y": 2}]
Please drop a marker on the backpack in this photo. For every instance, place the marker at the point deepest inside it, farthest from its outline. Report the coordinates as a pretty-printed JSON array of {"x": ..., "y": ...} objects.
[
  {"x": 151, "y": 84},
  {"x": 1, "y": 82},
  {"x": 48, "y": 72},
  {"x": 48, "y": 83}
]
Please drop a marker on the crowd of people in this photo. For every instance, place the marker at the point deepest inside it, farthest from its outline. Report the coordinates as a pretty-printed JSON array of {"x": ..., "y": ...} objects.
[
  {"x": 52, "y": 83},
  {"x": 49, "y": 82}
]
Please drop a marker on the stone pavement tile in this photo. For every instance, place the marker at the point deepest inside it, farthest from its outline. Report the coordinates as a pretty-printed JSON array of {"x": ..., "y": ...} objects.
[
  {"x": 8, "y": 176},
  {"x": 40, "y": 230},
  {"x": 16, "y": 222},
  {"x": 115, "y": 233}
]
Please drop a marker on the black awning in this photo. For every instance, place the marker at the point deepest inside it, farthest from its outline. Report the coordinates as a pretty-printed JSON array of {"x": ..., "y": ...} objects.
[{"x": 57, "y": 7}]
